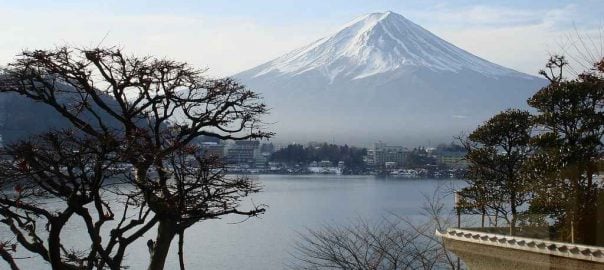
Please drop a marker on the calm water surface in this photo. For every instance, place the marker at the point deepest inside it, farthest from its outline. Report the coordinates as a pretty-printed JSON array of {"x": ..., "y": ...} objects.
[{"x": 296, "y": 203}]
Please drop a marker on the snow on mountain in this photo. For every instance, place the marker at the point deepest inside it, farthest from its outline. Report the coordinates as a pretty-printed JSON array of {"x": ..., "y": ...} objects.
[
  {"x": 382, "y": 76},
  {"x": 378, "y": 43}
]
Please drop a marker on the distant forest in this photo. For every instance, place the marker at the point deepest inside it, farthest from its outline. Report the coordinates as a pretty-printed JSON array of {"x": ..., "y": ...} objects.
[{"x": 297, "y": 153}]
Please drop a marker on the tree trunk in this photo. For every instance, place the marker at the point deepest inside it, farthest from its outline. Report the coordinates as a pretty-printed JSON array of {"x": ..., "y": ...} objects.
[
  {"x": 181, "y": 255},
  {"x": 166, "y": 231},
  {"x": 482, "y": 218},
  {"x": 54, "y": 242},
  {"x": 9, "y": 259},
  {"x": 513, "y": 225},
  {"x": 514, "y": 214},
  {"x": 54, "y": 245},
  {"x": 588, "y": 210},
  {"x": 585, "y": 225}
]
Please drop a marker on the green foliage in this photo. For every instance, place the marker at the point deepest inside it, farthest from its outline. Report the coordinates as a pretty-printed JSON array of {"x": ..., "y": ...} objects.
[
  {"x": 570, "y": 121},
  {"x": 508, "y": 130},
  {"x": 552, "y": 167},
  {"x": 293, "y": 153},
  {"x": 496, "y": 153},
  {"x": 419, "y": 158},
  {"x": 452, "y": 147}
]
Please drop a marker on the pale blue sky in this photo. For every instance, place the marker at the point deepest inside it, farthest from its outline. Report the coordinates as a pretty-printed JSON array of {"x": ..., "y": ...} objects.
[{"x": 230, "y": 36}]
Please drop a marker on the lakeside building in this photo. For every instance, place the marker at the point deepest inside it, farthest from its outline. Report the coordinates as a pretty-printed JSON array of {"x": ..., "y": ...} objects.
[
  {"x": 452, "y": 158},
  {"x": 325, "y": 163},
  {"x": 210, "y": 146},
  {"x": 212, "y": 149},
  {"x": 242, "y": 152},
  {"x": 261, "y": 159},
  {"x": 250, "y": 154},
  {"x": 267, "y": 148},
  {"x": 326, "y": 167},
  {"x": 382, "y": 154}
]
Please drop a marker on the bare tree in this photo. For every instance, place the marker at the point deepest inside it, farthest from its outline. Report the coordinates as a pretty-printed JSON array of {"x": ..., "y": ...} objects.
[
  {"x": 7, "y": 249},
  {"x": 201, "y": 190},
  {"x": 72, "y": 171},
  {"x": 581, "y": 49},
  {"x": 394, "y": 242},
  {"x": 133, "y": 112}
]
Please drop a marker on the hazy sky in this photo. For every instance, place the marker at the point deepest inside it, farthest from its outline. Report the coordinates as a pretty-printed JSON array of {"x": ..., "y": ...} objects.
[{"x": 231, "y": 36}]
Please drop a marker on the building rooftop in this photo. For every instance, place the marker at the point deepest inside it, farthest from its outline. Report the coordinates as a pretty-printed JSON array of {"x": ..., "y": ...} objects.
[{"x": 481, "y": 250}]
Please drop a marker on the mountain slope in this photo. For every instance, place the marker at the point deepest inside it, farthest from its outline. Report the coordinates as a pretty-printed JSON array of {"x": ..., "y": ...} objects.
[
  {"x": 22, "y": 117},
  {"x": 382, "y": 76}
]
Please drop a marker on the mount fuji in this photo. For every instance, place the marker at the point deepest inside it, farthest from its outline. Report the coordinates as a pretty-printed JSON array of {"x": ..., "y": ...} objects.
[{"x": 383, "y": 77}]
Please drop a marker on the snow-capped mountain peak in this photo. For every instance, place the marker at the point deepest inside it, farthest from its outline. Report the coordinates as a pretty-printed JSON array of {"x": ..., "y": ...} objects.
[
  {"x": 377, "y": 43},
  {"x": 383, "y": 77}
]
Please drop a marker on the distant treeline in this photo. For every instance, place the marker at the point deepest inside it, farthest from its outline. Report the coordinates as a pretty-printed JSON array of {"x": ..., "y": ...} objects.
[
  {"x": 419, "y": 158},
  {"x": 451, "y": 147},
  {"x": 297, "y": 153}
]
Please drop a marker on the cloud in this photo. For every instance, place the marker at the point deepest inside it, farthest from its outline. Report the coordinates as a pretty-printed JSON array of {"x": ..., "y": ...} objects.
[
  {"x": 517, "y": 38},
  {"x": 481, "y": 15},
  {"x": 225, "y": 45}
]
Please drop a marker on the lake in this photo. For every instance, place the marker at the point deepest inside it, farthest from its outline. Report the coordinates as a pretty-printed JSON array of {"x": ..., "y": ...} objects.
[{"x": 296, "y": 203}]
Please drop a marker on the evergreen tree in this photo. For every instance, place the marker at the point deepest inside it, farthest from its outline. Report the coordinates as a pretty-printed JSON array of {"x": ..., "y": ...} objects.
[
  {"x": 570, "y": 123},
  {"x": 496, "y": 152}
]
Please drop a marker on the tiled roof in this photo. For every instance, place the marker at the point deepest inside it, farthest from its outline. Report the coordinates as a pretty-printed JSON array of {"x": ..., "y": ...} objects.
[{"x": 568, "y": 250}]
